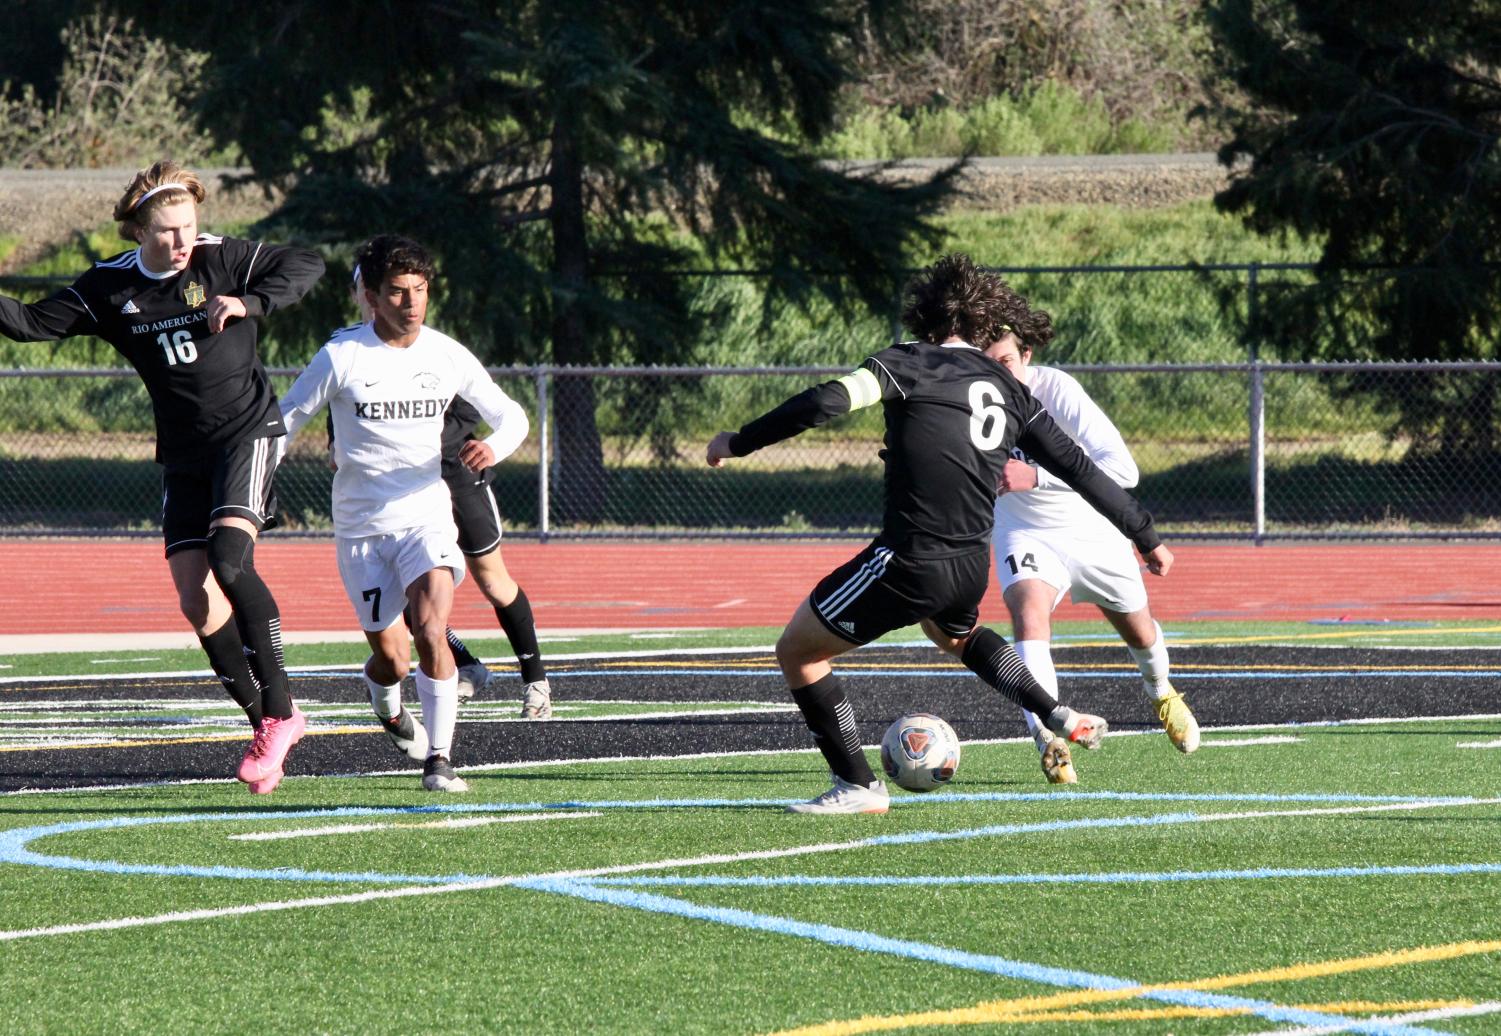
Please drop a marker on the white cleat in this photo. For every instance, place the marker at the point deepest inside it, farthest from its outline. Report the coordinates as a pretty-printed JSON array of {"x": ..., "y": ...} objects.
[
  {"x": 845, "y": 797},
  {"x": 406, "y": 734},
  {"x": 536, "y": 701}
]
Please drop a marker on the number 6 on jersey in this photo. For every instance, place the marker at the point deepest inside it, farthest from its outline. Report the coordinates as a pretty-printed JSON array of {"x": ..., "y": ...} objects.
[{"x": 987, "y": 418}]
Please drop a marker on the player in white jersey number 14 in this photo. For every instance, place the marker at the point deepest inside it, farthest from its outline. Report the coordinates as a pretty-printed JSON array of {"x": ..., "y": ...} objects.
[{"x": 1048, "y": 541}]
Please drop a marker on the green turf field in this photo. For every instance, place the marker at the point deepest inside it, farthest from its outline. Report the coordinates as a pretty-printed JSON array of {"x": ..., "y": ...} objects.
[
  {"x": 1309, "y": 878},
  {"x": 1351, "y": 870}
]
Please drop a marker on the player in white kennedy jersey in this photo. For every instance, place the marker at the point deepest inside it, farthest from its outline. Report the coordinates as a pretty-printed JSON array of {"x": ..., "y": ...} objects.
[
  {"x": 387, "y": 384},
  {"x": 1048, "y": 540}
]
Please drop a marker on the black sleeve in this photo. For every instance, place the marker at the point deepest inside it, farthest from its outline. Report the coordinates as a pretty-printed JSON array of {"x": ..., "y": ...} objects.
[
  {"x": 57, "y": 316},
  {"x": 272, "y": 276},
  {"x": 1056, "y": 451},
  {"x": 807, "y": 409}
]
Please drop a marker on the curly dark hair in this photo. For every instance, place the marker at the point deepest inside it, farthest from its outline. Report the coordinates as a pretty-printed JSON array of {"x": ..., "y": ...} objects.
[
  {"x": 391, "y": 254},
  {"x": 955, "y": 298},
  {"x": 1035, "y": 329}
]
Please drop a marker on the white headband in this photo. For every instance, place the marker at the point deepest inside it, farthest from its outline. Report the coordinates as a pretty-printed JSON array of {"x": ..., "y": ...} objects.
[
  {"x": 157, "y": 190},
  {"x": 356, "y": 274}
]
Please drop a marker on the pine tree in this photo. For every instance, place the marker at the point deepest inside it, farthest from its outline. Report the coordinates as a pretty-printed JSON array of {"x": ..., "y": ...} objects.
[
  {"x": 562, "y": 158},
  {"x": 1372, "y": 128}
]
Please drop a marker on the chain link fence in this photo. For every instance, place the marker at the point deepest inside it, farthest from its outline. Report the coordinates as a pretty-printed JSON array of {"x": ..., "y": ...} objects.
[{"x": 1227, "y": 451}]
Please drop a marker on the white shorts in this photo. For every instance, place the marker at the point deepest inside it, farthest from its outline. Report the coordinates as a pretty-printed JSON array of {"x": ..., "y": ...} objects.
[
  {"x": 378, "y": 569},
  {"x": 1097, "y": 570}
]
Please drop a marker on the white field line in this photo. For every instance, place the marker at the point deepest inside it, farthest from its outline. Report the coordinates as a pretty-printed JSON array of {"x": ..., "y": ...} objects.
[
  {"x": 353, "y": 668},
  {"x": 1242, "y": 742},
  {"x": 582, "y": 656},
  {"x": 1436, "y": 1015},
  {"x": 351, "y": 829},
  {"x": 692, "y": 756},
  {"x": 1479, "y": 744},
  {"x": 597, "y": 872}
]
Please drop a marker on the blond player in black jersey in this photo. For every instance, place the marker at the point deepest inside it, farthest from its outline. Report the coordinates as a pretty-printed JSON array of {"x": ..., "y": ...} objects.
[
  {"x": 953, "y": 414},
  {"x": 181, "y": 306}
]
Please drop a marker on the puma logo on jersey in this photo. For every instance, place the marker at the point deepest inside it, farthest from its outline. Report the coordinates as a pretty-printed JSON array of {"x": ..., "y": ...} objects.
[{"x": 130, "y": 307}]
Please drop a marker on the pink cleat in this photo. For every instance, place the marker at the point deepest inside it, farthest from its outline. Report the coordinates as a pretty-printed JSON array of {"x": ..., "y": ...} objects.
[
  {"x": 267, "y": 786},
  {"x": 270, "y": 746}
]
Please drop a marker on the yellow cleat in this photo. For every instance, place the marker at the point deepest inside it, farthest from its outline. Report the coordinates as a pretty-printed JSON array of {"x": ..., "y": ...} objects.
[
  {"x": 1058, "y": 763},
  {"x": 1182, "y": 729}
]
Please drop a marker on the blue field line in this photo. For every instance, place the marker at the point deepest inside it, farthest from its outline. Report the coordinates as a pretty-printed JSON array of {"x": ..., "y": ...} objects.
[
  {"x": 870, "y": 942},
  {"x": 1107, "y": 878},
  {"x": 15, "y": 843},
  {"x": 14, "y": 848}
]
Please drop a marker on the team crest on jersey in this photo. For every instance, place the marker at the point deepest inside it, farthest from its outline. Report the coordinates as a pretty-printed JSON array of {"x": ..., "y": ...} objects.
[
  {"x": 194, "y": 295},
  {"x": 427, "y": 380}
]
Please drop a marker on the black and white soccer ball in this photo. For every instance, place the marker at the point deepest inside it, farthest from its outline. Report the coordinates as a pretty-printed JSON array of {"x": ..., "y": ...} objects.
[{"x": 920, "y": 752}]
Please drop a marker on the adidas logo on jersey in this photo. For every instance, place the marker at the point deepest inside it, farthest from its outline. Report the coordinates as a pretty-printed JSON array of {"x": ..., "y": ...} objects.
[
  {"x": 848, "y": 627},
  {"x": 130, "y": 307}
]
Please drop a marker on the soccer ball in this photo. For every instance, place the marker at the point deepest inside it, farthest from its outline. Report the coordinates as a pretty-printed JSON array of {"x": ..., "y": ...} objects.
[{"x": 920, "y": 752}]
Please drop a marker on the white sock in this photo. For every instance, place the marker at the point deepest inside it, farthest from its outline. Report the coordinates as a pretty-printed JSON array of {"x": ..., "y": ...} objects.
[
  {"x": 440, "y": 711},
  {"x": 1152, "y": 662},
  {"x": 1037, "y": 656},
  {"x": 386, "y": 701}
]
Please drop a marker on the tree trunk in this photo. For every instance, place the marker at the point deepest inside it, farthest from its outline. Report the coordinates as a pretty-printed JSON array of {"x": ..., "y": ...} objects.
[{"x": 579, "y": 480}]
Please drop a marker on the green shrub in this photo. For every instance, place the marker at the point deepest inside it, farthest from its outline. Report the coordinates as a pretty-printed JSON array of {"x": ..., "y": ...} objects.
[{"x": 999, "y": 127}]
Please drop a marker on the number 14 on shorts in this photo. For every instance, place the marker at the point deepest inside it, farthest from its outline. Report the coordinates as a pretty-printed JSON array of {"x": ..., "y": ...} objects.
[{"x": 1027, "y": 561}]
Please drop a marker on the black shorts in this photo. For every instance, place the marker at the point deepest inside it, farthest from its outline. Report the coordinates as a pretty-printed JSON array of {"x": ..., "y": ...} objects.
[
  {"x": 238, "y": 481},
  {"x": 878, "y": 591},
  {"x": 477, "y": 516}
]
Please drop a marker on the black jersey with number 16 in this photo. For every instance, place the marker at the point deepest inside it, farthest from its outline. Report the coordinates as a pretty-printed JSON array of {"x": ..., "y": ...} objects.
[
  {"x": 952, "y": 416},
  {"x": 206, "y": 390}
]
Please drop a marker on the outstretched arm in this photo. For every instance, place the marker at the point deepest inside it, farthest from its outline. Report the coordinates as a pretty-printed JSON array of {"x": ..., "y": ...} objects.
[
  {"x": 807, "y": 409},
  {"x": 1043, "y": 439},
  {"x": 58, "y": 316}
]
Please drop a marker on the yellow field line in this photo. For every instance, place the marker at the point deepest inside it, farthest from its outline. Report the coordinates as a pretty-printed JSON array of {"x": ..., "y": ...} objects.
[
  {"x": 1147, "y": 1014},
  {"x": 1261, "y": 638},
  {"x": 1264, "y": 667},
  {"x": 1031, "y": 1007}
]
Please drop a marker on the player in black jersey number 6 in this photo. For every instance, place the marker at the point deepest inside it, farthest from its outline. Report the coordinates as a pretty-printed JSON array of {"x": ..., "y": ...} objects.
[
  {"x": 179, "y": 307},
  {"x": 953, "y": 413}
]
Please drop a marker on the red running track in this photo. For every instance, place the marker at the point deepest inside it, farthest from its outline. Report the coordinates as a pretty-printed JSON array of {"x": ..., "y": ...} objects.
[{"x": 122, "y": 586}]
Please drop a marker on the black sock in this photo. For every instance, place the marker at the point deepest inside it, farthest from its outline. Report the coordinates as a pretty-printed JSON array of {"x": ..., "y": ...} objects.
[
  {"x": 231, "y": 556},
  {"x": 462, "y": 656},
  {"x": 989, "y": 657},
  {"x": 516, "y": 619},
  {"x": 828, "y": 714},
  {"x": 226, "y": 656}
]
